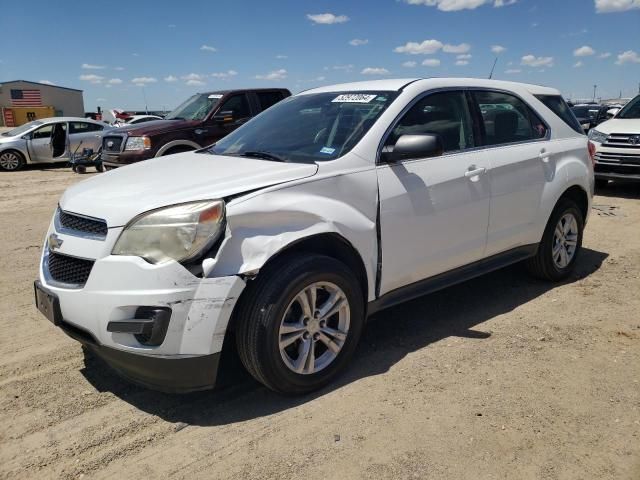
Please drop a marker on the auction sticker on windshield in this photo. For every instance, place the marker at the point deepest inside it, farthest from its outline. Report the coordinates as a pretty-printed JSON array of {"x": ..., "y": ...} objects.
[
  {"x": 215, "y": 95},
  {"x": 354, "y": 98}
]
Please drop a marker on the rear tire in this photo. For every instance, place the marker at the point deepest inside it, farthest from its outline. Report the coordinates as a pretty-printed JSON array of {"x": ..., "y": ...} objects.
[
  {"x": 561, "y": 243},
  {"x": 11, "y": 161},
  {"x": 283, "y": 336}
]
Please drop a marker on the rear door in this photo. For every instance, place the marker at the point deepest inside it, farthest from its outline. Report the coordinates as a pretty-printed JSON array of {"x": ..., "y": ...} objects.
[
  {"x": 521, "y": 163},
  {"x": 84, "y": 135}
]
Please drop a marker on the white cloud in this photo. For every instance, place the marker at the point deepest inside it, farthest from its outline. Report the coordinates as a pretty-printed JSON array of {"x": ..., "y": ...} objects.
[
  {"x": 512, "y": 71},
  {"x": 409, "y": 64},
  {"x": 327, "y": 18},
  {"x": 224, "y": 75},
  {"x": 119, "y": 69},
  {"x": 584, "y": 51},
  {"x": 208, "y": 48},
  {"x": 46, "y": 82},
  {"x": 276, "y": 75},
  {"x": 135, "y": 54},
  {"x": 426, "y": 47},
  {"x": 464, "y": 56},
  {"x": 356, "y": 42},
  {"x": 194, "y": 83},
  {"x": 89, "y": 66},
  {"x": 498, "y": 49},
  {"x": 462, "y": 48},
  {"x": 455, "y": 5},
  {"x": 114, "y": 81},
  {"x": 629, "y": 56},
  {"x": 374, "y": 71},
  {"x": 101, "y": 99},
  {"x": 533, "y": 61},
  {"x": 578, "y": 64},
  {"x": 604, "y": 55},
  {"x": 281, "y": 57},
  {"x": 346, "y": 68},
  {"x": 141, "y": 81},
  {"x": 431, "y": 62},
  {"x": 91, "y": 78},
  {"x": 607, "y": 6},
  {"x": 193, "y": 76},
  {"x": 462, "y": 63},
  {"x": 170, "y": 79}
]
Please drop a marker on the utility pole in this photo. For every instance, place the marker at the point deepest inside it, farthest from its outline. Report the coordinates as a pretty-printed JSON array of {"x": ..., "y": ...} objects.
[
  {"x": 594, "y": 92},
  {"x": 144, "y": 94}
]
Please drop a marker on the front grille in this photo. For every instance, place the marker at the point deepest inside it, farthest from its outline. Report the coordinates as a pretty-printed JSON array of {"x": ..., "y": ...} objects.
[
  {"x": 620, "y": 140},
  {"x": 112, "y": 144},
  {"x": 68, "y": 270},
  {"x": 78, "y": 224}
]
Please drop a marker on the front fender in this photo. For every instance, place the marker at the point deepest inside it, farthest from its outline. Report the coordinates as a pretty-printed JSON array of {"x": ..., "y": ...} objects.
[{"x": 267, "y": 223}]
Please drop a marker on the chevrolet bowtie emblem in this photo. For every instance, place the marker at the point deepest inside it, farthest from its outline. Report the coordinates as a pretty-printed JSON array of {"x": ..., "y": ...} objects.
[{"x": 55, "y": 242}]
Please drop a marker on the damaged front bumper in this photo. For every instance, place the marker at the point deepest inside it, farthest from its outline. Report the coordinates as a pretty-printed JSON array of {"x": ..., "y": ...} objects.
[{"x": 107, "y": 315}]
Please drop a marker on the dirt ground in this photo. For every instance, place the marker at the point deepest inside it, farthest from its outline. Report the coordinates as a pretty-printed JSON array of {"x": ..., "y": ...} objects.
[{"x": 502, "y": 377}]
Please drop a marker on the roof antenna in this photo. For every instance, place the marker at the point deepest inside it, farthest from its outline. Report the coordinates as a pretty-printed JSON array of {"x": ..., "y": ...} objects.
[{"x": 493, "y": 68}]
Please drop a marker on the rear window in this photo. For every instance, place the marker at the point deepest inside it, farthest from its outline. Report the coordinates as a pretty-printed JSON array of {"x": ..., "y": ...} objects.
[{"x": 557, "y": 105}]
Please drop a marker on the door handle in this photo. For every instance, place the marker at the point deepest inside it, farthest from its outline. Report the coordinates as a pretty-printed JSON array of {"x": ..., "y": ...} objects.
[
  {"x": 474, "y": 172},
  {"x": 544, "y": 156}
]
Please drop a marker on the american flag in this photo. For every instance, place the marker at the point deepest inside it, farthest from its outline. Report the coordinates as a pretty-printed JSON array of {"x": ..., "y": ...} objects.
[{"x": 26, "y": 98}]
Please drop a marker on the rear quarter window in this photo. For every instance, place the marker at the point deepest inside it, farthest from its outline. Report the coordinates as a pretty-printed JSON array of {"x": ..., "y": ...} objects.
[{"x": 557, "y": 105}]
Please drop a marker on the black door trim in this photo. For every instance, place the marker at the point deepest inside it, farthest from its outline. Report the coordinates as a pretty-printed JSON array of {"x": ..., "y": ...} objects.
[{"x": 446, "y": 279}]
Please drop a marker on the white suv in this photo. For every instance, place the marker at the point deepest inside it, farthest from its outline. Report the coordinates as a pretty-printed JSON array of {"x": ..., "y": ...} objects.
[
  {"x": 617, "y": 145},
  {"x": 331, "y": 205}
]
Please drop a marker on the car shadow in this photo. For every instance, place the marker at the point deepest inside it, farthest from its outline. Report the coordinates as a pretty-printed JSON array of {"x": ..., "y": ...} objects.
[
  {"x": 390, "y": 336},
  {"x": 620, "y": 189}
]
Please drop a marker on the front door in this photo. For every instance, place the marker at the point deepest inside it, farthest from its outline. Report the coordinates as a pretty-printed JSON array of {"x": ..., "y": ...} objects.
[
  {"x": 234, "y": 112},
  {"x": 434, "y": 212},
  {"x": 40, "y": 143}
]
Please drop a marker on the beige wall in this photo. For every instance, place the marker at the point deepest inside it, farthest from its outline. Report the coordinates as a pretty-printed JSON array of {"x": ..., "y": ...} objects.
[{"x": 67, "y": 102}]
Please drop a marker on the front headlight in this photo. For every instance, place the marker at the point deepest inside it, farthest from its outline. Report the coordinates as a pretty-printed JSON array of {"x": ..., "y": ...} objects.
[
  {"x": 177, "y": 233},
  {"x": 596, "y": 136},
  {"x": 138, "y": 143}
]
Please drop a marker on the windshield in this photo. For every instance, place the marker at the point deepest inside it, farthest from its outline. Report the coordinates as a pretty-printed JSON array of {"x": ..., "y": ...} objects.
[
  {"x": 307, "y": 128},
  {"x": 195, "y": 108},
  {"x": 631, "y": 109},
  {"x": 22, "y": 129}
]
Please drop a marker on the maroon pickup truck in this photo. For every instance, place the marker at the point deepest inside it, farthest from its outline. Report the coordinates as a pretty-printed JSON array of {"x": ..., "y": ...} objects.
[{"x": 200, "y": 121}]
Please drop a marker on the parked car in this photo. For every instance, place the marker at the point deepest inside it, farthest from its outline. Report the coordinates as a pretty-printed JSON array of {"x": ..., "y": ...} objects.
[
  {"x": 617, "y": 145},
  {"x": 286, "y": 234},
  {"x": 135, "y": 119},
  {"x": 590, "y": 115},
  {"x": 200, "y": 121},
  {"x": 48, "y": 140}
]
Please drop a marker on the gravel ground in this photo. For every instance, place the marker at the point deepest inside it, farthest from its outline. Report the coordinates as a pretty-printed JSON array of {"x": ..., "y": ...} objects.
[{"x": 500, "y": 377}]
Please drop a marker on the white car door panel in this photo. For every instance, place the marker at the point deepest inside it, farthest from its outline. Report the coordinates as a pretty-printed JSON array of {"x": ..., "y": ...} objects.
[
  {"x": 434, "y": 212},
  {"x": 433, "y": 216}
]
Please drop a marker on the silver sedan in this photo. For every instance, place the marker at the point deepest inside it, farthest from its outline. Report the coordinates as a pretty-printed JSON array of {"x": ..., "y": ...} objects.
[{"x": 49, "y": 140}]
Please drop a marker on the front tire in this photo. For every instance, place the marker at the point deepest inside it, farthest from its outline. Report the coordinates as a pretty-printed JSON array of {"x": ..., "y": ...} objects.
[
  {"x": 11, "y": 161},
  {"x": 561, "y": 243},
  {"x": 299, "y": 322}
]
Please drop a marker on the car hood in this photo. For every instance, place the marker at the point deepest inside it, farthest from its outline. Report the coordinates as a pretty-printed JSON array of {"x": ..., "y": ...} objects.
[
  {"x": 620, "y": 125},
  {"x": 154, "y": 127},
  {"x": 119, "y": 195}
]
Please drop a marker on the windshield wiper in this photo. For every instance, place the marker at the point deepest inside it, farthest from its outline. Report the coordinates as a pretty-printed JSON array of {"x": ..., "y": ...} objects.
[{"x": 263, "y": 156}]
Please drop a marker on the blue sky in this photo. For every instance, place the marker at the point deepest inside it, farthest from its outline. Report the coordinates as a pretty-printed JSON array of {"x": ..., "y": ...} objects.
[{"x": 112, "y": 49}]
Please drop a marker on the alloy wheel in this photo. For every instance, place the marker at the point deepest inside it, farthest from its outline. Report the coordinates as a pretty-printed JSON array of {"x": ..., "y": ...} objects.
[
  {"x": 314, "y": 328},
  {"x": 9, "y": 161},
  {"x": 565, "y": 240}
]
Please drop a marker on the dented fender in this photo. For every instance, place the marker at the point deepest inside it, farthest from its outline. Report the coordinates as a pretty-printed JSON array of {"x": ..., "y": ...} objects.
[{"x": 266, "y": 223}]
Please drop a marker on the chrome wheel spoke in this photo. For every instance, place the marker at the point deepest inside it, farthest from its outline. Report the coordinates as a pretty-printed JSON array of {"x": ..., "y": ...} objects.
[
  {"x": 288, "y": 339},
  {"x": 303, "y": 300},
  {"x": 306, "y": 357},
  {"x": 331, "y": 344},
  {"x": 332, "y": 332},
  {"x": 331, "y": 306},
  {"x": 291, "y": 328}
]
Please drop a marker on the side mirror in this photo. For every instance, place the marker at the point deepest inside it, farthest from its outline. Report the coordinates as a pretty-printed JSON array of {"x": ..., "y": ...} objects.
[
  {"x": 612, "y": 113},
  {"x": 224, "y": 117},
  {"x": 415, "y": 146}
]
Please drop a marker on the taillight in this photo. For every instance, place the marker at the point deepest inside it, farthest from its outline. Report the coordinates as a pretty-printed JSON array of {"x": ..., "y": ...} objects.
[{"x": 592, "y": 152}]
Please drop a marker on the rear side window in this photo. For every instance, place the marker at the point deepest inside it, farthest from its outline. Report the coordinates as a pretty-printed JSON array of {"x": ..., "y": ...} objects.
[
  {"x": 266, "y": 99},
  {"x": 83, "y": 127},
  {"x": 557, "y": 105},
  {"x": 237, "y": 104},
  {"x": 507, "y": 119}
]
